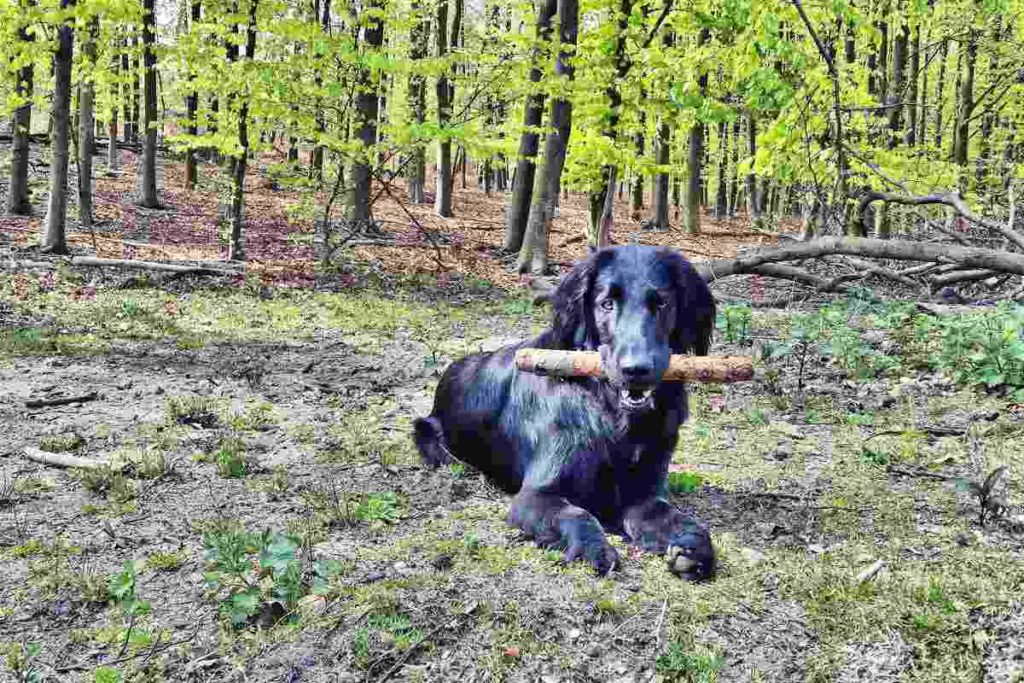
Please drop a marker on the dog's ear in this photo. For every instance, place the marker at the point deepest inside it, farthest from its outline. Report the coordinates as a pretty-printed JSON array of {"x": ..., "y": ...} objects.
[
  {"x": 573, "y": 325},
  {"x": 695, "y": 309}
]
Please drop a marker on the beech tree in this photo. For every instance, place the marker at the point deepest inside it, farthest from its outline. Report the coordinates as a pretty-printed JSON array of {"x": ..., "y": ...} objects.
[{"x": 54, "y": 238}]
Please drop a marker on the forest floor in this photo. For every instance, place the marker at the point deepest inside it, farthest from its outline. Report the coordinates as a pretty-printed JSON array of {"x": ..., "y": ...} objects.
[{"x": 262, "y": 473}]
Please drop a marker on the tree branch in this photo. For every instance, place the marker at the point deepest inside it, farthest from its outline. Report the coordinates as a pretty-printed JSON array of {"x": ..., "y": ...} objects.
[
  {"x": 657, "y": 25},
  {"x": 950, "y": 199}
]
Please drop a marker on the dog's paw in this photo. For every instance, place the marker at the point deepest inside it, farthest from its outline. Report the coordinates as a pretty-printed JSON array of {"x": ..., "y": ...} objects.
[
  {"x": 595, "y": 551},
  {"x": 691, "y": 556}
]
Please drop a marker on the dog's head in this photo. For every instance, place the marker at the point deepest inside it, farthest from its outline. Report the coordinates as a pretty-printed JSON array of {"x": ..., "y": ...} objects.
[{"x": 636, "y": 305}]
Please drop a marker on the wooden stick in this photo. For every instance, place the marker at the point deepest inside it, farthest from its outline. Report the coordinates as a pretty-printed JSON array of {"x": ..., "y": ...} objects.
[
  {"x": 717, "y": 369},
  {"x": 62, "y": 459}
]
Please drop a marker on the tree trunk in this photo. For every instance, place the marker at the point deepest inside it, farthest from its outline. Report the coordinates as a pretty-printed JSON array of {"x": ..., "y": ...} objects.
[
  {"x": 895, "y": 99},
  {"x": 236, "y": 248},
  {"x": 18, "y": 201},
  {"x": 915, "y": 68},
  {"x": 316, "y": 157},
  {"x": 734, "y": 185},
  {"x": 366, "y": 109},
  {"x": 754, "y": 195},
  {"x": 988, "y": 119},
  {"x": 661, "y": 180},
  {"x": 965, "y": 102},
  {"x": 637, "y": 189},
  {"x": 148, "y": 197},
  {"x": 602, "y": 222},
  {"x": 939, "y": 103},
  {"x": 534, "y": 252},
  {"x": 192, "y": 110},
  {"x": 419, "y": 36},
  {"x": 721, "y": 191},
  {"x": 133, "y": 107},
  {"x": 695, "y": 158},
  {"x": 115, "y": 100},
  {"x": 883, "y": 56},
  {"x": 87, "y": 125},
  {"x": 443, "y": 196},
  {"x": 54, "y": 238},
  {"x": 922, "y": 91}
]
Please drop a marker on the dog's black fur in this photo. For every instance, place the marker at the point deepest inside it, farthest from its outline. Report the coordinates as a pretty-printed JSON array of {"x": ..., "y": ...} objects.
[{"x": 585, "y": 455}]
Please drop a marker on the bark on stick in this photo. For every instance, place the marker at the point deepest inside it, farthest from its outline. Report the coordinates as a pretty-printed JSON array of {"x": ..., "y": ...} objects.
[{"x": 716, "y": 369}]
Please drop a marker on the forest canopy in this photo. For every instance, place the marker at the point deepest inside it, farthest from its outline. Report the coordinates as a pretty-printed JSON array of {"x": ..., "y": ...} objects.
[{"x": 722, "y": 104}]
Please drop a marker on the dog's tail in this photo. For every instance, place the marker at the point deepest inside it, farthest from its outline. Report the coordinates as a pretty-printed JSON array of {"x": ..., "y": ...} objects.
[{"x": 429, "y": 438}]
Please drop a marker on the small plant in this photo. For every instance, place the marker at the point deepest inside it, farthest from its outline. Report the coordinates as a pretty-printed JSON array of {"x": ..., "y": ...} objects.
[
  {"x": 734, "y": 321},
  {"x": 697, "y": 668},
  {"x": 519, "y": 307},
  {"x": 259, "y": 574},
  {"x": 758, "y": 417},
  {"x": 30, "y": 485},
  {"x": 107, "y": 674},
  {"x": 874, "y": 456},
  {"x": 50, "y": 569},
  {"x": 684, "y": 482},
  {"x": 108, "y": 482},
  {"x": 361, "y": 647},
  {"x": 129, "y": 308},
  {"x": 165, "y": 561},
  {"x": 122, "y": 590},
  {"x": 62, "y": 443},
  {"x": 935, "y": 595},
  {"x": 457, "y": 470},
  {"x": 229, "y": 458},
  {"x": 330, "y": 504},
  {"x": 7, "y": 492},
  {"x": 397, "y": 627},
  {"x": 20, "y": 660},
  {"x": 378, "y": 509},
  {"x": 471, "y": 542},
  {"x": 303, "y": 432},
  {"x": 144, "y": 463},
  {"x": 202, "y": 411},
  {"x": 865, "y": 419},
  {"x": 258, "y": 416},
  {"x": 991, "y": 502}
]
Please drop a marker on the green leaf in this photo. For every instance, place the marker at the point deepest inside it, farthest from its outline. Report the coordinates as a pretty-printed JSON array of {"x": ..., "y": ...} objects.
[{"x": 107, "y": 674}]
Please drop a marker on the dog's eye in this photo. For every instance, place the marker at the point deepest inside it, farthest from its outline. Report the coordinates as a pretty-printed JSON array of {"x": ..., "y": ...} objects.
[
  {"x": 608, "y": 304},
  {"x": 659, "y": 301}
]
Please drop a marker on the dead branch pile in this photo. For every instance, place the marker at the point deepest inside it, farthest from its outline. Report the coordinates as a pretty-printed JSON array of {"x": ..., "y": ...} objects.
[{"x": 833, "y": 264}]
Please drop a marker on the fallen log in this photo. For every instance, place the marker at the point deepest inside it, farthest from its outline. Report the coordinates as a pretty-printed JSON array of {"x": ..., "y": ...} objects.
[
  {"x": 131, "y": 264},
  {"x": 713, "y": 369},
  {"x": 897, "y": 250}
]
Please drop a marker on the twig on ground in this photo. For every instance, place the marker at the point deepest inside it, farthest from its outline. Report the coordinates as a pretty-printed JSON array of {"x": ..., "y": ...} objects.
[
  {"x": 62, "y": 459},
  {"x": 60, "y": 400},
  {"x": 870, "y": 572},
  {"x": 918, "y": 472}
]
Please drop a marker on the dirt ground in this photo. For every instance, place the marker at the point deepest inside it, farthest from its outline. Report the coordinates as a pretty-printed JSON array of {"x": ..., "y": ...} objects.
[{"x": 228, "y": 409}]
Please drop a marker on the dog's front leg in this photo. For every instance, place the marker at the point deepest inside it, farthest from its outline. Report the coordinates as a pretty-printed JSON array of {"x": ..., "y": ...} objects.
[
  {"x": 553, "y": 522},
  {"x": 658, "y": 526}
]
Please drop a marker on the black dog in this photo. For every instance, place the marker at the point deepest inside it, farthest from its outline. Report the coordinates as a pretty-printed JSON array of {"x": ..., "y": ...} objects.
[{"x": 585, "y": 455}]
